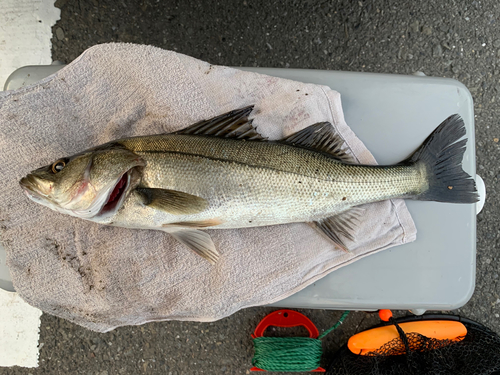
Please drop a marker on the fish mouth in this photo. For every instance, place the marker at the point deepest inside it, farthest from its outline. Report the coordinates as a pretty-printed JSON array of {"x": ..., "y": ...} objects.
[
  {"x": 33, "y": 194},
  {"x": 116, "y": 196},
  {"x": 28, "y": 184}
]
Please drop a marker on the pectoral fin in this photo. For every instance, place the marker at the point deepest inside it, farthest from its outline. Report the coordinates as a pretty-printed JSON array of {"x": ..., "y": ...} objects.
[
  {"x": 341, "y": 224},
  {"x": 172, "y": 201},
  {"x": 200, "y": 242}
]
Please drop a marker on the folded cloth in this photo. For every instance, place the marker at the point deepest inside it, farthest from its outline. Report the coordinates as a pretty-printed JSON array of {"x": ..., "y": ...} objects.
[{"x": 104, "y": 277}]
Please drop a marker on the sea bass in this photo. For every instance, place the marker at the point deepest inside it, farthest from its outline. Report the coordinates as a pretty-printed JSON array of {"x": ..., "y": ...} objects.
[{"x": 221, "y": 173}]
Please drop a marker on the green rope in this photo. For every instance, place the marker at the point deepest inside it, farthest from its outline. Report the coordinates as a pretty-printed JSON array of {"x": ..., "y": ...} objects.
[
  {"x": 341, "y": 320},
  {"x": 290, "y": 354}
]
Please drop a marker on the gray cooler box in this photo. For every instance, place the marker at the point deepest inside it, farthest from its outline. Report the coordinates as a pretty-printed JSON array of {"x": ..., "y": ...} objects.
[{"x": 392, "y": 115}]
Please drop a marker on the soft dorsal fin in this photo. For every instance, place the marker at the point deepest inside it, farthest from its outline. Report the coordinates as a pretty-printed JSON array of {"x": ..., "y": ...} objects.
[
  {"x": 234, "y": 124},
  {"x": 320, "y": 136}
]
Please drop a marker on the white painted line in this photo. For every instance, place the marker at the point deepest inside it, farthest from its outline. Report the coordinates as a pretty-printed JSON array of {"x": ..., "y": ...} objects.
[
  {"x": 19, "y": 331},
  {"x": 25, "y": 33}
]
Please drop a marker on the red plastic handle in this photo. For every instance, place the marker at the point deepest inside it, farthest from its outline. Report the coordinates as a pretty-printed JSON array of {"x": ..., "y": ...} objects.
[{"x": 286, "y": 318}]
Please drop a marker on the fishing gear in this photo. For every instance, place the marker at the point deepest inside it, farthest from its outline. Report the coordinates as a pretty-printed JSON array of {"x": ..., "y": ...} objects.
[{"x": 289, "y": 354}]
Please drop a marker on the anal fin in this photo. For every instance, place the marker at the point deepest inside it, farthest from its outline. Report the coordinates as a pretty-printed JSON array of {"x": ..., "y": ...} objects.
[
  {"x": 200, "y": 242},
  {"x": 343, "y": 224}
]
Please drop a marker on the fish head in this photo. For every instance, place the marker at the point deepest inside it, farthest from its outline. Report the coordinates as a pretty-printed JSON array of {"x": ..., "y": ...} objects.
[{"x": 91, "y": 184}]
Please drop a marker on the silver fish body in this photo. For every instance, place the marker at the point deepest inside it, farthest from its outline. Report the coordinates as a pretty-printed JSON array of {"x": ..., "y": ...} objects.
[
  {"x": 248, "y": 184},
  {"x": 220, "y": 173}
]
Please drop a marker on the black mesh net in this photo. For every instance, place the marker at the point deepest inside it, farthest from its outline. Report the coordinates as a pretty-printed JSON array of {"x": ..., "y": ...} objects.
[{"x": 478, "y": 353}]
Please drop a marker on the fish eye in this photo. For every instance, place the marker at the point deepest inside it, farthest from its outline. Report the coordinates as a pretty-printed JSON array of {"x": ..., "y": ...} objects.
[{"x": 58, "y": 166}]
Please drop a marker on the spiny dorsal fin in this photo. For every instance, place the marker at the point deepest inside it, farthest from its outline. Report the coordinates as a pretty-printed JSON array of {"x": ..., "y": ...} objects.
[
  {"x": 343, "y": 224},
  {"x": 320, "y": 136},
  {"x": 234, "y": 124},
  {"x": 172, "y": 201}
]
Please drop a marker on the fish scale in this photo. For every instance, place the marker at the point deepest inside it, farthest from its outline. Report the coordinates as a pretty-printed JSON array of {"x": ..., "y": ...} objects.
[{"x": 263, "y": 183}]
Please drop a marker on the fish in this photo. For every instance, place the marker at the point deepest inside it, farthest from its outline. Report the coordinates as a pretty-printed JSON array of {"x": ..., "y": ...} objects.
[{"x": 221, "y": 173}]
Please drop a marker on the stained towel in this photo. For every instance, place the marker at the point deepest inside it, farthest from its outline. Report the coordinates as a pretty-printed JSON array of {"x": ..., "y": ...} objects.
[{"x": 103, "y": 277}]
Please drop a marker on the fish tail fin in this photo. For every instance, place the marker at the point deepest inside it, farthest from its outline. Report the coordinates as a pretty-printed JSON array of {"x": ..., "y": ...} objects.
[{"x": 442, "y": 155}]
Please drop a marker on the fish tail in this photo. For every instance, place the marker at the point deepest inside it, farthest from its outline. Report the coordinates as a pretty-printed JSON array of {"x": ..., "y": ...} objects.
[{"x": 442, "y": 154}]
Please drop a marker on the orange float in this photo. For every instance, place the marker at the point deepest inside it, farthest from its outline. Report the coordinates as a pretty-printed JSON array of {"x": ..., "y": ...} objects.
[{"x": 367, "y": 342}]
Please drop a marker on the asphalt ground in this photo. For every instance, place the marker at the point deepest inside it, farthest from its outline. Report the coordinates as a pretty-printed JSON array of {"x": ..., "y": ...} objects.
[{"x": 456, "y": 39}]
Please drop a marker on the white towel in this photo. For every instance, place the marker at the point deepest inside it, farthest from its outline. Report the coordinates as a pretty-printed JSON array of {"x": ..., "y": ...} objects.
[{"x": 103, "y": 277}]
